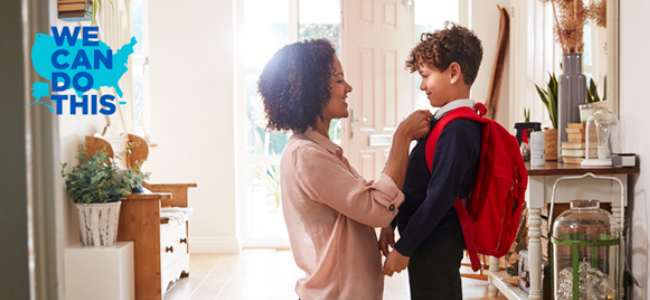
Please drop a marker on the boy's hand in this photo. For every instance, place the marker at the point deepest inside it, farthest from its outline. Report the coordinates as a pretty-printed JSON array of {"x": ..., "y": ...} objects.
[
  {"x": 416, "y": 125},
  {"x": 386, "y": 237},
  {"x": 395, "y": 262}
]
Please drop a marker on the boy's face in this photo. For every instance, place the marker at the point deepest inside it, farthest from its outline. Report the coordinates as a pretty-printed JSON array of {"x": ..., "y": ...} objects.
[{"x": 436, "y": 84}]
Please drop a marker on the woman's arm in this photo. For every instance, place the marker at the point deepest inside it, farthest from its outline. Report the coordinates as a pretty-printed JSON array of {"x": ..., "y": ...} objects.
[{"x": 324, "y": 178}]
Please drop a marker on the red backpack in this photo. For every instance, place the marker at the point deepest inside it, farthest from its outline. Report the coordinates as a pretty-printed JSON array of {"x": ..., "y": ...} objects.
[{"x": 490, "y": 215}]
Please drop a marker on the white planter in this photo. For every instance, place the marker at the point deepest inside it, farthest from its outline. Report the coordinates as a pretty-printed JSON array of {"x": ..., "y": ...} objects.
[
  {"x": 585, "y": 111},
  {"x": 98, "y": 223}
]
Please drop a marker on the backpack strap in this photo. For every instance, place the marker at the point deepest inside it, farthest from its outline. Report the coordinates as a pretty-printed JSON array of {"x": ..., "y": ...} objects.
[
  {"x": 468, "y": 234},
  {"x": 430, "y": 148},
  {"x": 459, "y": 113}
]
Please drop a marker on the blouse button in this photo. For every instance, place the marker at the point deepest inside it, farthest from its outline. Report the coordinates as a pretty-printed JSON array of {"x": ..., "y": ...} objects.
[{"x": 391, "y": 207}]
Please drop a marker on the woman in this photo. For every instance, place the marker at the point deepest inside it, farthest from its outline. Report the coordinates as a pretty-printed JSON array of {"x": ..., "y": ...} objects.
[{"x": 329, "y": 209}]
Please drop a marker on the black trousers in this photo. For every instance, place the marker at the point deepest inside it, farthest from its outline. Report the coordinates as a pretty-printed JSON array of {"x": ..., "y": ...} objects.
[{"x": 434, "y": 265}]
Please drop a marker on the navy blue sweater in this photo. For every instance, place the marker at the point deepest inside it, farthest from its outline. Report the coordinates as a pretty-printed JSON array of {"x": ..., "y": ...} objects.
[{"x": 429, "y": 196}]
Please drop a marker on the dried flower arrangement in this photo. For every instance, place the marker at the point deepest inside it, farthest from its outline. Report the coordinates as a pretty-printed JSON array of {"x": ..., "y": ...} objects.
[
  {"x": 570, "y": 22},
  {"x": 598, "y": 12}
]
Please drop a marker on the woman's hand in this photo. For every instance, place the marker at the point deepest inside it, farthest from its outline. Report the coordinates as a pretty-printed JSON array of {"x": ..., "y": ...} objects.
[
  {"x": 415, "y": 126},
  {"x": 395, "y": 262},
  {"x": 386, "y": 238}
]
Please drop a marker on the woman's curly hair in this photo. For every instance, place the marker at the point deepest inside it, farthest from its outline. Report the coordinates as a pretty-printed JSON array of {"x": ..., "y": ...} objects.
[
  {"x": 295, "y": 84},
  {"x": 454, "y": 43}
]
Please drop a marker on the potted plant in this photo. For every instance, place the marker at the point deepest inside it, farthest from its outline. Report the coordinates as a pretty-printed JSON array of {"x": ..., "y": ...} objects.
[
  {"x": 550, "y": 98},
  {"x": 96, "y": 186},
  {"x": 526, "y": 127}
]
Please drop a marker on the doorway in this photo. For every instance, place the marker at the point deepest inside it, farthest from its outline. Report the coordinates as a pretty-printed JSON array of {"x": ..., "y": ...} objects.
[{"x": 374, "y": 66}]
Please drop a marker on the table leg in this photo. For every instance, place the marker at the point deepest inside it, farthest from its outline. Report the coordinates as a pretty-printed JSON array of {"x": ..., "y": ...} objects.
[
  {"x": 494, "y": 267},
  {"x": 616, "y": 213},
  {"x": 535, "y": 252}
]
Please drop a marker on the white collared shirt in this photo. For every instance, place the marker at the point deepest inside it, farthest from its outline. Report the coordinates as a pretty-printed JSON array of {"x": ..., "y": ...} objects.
[{"x": 453, "y": 105}]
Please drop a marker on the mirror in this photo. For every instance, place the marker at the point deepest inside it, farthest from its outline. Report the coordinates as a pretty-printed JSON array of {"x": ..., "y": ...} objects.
[
  {"x": 613, "y": 56},
  {"x": 600, "y": 54},
  {"x": 535, "y": 53}
]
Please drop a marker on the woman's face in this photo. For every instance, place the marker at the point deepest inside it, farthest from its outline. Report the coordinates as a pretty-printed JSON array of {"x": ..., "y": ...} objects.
[{"x": 339, "y": 89}]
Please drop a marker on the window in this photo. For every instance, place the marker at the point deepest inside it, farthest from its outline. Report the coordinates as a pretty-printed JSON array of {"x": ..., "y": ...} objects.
[
  {"x": 595, "y": 54},
  {"x": 265, "y": 26},
  {"x": 140, "y": 71}
]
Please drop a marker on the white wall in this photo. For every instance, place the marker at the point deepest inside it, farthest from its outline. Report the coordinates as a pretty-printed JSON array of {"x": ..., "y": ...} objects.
[
  {"x": 634, "y": 108},
  {"x": 484, "y": 20},
  {"x": 192, "y": 117},
  {"x": 192, "y": 113}
]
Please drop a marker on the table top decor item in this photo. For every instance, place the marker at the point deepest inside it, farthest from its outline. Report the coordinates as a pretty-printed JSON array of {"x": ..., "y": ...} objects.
[
  {"x": 96, "y": 185},
  {"x": 601, "y": 138},
  {"x": 586, "y": 253}
]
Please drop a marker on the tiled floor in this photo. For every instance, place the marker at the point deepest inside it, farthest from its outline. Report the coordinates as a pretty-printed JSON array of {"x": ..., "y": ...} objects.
[{"x": 267, "y": 274}]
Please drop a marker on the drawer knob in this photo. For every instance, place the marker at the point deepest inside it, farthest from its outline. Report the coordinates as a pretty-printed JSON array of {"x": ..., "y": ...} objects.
[
  {"x": 184, "y": 240},
  {"x": 169, "y": 249}
]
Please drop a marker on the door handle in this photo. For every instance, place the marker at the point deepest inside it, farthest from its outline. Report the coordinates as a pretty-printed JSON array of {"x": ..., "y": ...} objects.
[{"x": 352, "y": 120}]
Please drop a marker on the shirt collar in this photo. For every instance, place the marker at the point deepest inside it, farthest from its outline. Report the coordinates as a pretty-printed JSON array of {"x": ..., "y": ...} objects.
[
  {"x": 453, "y": 105},
  {"x": 322, "y": 140}
]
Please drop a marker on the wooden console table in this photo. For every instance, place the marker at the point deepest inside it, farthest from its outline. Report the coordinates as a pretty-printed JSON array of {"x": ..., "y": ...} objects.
[{"x": 540, "y": 187}]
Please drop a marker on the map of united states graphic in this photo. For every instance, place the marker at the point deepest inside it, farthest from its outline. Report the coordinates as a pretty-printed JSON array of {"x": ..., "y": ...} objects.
[{"x": 42, "y": 56}]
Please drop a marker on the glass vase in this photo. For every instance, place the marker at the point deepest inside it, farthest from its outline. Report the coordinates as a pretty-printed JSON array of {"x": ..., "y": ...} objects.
[{"x": 586, "y": 253}]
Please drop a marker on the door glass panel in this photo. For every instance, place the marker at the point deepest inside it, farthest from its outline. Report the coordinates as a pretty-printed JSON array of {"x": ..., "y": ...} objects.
[
  {"x": 321, "y": 19},
  {"x": 260, "y": 142},
  {"x": 140, "y": 79},
  {"x": 265, "y": 31},
  {"x": 264, "y": 211},
  {"x": 137, "y": 27}
]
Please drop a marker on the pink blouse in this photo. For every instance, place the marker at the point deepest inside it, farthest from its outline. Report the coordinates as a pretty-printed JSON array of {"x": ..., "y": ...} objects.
[{"x": 330, "y": 212}]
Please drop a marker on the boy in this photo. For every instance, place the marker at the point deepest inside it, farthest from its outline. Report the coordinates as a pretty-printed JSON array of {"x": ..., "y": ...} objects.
[{"x": 431, "y": 239}]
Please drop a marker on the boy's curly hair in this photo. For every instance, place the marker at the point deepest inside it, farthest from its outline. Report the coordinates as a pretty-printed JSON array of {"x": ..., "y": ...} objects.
[
  {"x": 295, "y": 84},
  {"x": 454, "y": 43}
]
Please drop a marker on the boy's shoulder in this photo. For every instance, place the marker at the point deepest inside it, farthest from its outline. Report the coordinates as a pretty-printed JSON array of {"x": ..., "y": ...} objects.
[
  {"x": 461, "y": 132},
  {"x": 462, "y": 125}
]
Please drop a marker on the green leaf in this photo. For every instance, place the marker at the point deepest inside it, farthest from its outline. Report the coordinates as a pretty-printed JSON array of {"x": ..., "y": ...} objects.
[
  {"x": 553, "y": 109},
  {"x": 95, "y": 181},
  {"x": 554, "y": 84},
  {"x": 542, "y": 95},
  {"x": 593, "y": 91}
]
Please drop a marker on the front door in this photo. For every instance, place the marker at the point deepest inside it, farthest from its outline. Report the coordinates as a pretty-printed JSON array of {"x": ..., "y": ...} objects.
[{"x": 378, "y": 36}]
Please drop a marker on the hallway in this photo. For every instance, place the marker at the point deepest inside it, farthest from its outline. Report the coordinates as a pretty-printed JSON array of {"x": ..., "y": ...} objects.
[{"x": 269, "y": 274}]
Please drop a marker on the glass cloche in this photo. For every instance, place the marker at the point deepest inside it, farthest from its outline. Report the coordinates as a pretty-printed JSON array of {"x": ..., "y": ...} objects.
[
  {"x": 601, "y": 138},
  {"x": 586, "y": 253}
]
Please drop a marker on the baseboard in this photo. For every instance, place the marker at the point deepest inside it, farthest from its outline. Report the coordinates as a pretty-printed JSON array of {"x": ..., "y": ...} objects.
[{"x": 214, "y": 245}]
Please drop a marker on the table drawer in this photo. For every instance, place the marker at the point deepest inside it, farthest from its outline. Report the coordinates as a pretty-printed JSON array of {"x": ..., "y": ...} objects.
[
  {"x": 170, "y": 275},
  {"x": 173, "y": 244}
]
